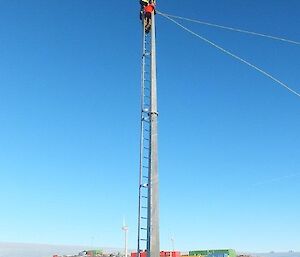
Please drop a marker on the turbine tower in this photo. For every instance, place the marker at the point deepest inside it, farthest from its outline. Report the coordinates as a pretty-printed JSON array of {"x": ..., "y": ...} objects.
[
  {"x": 173, "y": 243},
  {"x": 148, "y": 212},
  {"x": 125, "y": 229}
]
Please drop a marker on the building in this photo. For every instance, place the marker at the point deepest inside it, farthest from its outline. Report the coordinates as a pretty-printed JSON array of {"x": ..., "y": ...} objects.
[
  {"x": 162, "y": 254},
  {"x": 214, "y": 253}
]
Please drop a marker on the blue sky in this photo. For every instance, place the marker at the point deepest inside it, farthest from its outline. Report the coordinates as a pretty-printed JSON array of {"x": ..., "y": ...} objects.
[{"x": 69, "y": 113}]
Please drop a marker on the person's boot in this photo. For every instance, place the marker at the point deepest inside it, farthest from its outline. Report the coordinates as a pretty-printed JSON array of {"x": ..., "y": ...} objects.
[{"x": 147, "y": 29}]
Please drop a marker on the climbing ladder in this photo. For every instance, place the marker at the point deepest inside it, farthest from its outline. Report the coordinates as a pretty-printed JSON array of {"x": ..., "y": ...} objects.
[{"x": 145, "y": 146}]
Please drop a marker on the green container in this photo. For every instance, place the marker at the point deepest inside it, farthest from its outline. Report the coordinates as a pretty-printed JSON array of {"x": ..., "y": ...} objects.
[
  {"x": 228, "y": 252},
  {"x": 94, "y": 252}
]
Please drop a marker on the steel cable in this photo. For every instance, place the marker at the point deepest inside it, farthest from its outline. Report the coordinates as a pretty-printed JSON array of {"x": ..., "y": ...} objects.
[
  {"x": 232, "y": 29},
  {"x": 233, "y": 55}
]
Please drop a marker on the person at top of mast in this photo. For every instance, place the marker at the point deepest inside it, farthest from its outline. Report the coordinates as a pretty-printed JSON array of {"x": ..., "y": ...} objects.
[
  {"x": 148, "y": 14},
  {"x": 149, "y": 8},
  {"x": 143, "y": 3}
]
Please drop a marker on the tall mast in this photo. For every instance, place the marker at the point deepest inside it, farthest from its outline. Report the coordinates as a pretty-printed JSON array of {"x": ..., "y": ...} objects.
[
  {"x": 154, "y": 242},
  {"x": 148, "y": 223}
]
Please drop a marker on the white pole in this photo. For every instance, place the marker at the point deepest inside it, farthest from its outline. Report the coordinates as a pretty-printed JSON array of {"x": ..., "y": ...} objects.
[
  {"x": 126, "y": 251},
  {"x": 125, "y": 229}
]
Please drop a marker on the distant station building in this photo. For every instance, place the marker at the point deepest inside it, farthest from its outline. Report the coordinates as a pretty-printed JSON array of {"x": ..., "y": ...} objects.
[
  {"x": 89, "y": 253},
  {"x": 214, "y": 253},
  {"x": 198, "y": 253},
  {"x": 162, "y": 254}
]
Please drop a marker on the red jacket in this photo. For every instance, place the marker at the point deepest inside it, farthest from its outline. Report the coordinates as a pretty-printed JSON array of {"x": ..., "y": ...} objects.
[{"x": 149, "y": 8}]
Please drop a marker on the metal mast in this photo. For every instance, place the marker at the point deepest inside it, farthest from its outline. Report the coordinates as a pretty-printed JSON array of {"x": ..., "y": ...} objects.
[{"x": 148, "y": 213}]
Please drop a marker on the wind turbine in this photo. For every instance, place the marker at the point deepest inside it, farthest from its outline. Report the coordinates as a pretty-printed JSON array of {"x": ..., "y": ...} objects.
[
  {"x": 173, "y": 243},
  {"x": 125, "y": 229}
]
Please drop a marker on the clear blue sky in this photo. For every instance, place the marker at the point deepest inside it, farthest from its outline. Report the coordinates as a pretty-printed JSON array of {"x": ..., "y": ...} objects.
[{"x": 69, "y": 113}]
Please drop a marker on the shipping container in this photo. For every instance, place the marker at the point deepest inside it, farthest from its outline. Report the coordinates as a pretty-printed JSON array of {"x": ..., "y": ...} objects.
[
  {"x": 162, "y": 254},
  {"x": 170, "y": 254},
  {"x": 214, "y": 253}
]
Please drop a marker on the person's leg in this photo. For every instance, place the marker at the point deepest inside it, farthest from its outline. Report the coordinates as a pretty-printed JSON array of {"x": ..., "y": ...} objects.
[
  {"x": 148, "y": 18},
  {"x": 145, "y": 19},
  {"x": 149, "y": 22},
  {"x": 146, "y": 23}
]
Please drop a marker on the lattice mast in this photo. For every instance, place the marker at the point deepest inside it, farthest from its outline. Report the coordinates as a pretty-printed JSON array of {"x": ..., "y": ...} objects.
[{"x": 148, "y": 213}]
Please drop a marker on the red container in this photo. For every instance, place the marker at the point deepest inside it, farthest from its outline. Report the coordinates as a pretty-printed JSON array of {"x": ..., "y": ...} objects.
[
  {"x": 176, "y": 254},
  {"x": 162, "y": 254},
  {"x": 170, "y": 254},
  {"x": 142, "y": 254}
]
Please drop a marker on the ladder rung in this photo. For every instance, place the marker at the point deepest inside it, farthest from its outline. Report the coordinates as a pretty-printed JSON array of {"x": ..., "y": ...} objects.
[
  {"x": 145, "y": 177},
  {"x": 145, "y": 168},
  {"x": 144, "y": 197},
  {"x": 142, "y": 239},
  {"x": 144, "y": 218},
  {"x": 144, "y": 228},
  {"x": 145, "y": 157},
  {"x": 146, "y": 139},
  {"x": 144, "y": 207},
  {"x": 146, "y": 148}
]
